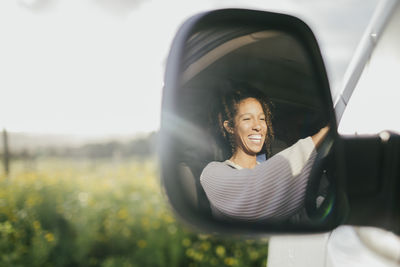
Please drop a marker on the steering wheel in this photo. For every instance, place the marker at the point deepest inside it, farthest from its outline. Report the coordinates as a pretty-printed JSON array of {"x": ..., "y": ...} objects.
[{"x": 320, "y": 192}]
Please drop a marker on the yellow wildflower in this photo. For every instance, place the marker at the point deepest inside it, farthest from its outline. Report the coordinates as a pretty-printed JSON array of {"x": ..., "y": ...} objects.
[
  {"x": 49, "y": 237},
  {"x": 186, "y": 242},
  {"x": 145, "y": 222},
  {"x": 205, "y": 246},
  {"x": 156, "y": 225},
  {"x": 142, "y": 243},
  {"x": 36, "y": 225},
  {"x": 190, "y": 252},
  {"x": 254, "y": 255},
  {"x": 203, "y": 236},
  {"x": 220, "y": 250},
  {"x": 122, "y": 214},
  {"x": 198, "y": 256},
  {"x": 230, "y": 261},
  {"x": 172, "y": 229},
  {"x": 33, "y": 200},
  {"x": 168, "y": 218}
]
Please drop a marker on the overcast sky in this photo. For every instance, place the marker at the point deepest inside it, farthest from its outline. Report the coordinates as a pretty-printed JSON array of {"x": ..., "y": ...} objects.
[{"x": 96, "y": 67}]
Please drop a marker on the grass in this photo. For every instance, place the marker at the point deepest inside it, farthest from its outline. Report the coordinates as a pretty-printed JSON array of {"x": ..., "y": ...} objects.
[{"x": 57, "y": 212}]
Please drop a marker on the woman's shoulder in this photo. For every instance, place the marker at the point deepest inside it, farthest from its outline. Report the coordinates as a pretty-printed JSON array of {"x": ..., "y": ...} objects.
[
  {"x": 215, "y": 164},
  {"x": 215, "y": 167}
]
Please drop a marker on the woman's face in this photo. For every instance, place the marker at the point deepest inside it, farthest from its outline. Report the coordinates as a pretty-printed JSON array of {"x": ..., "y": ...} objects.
[{"x": 250, "y": 127}]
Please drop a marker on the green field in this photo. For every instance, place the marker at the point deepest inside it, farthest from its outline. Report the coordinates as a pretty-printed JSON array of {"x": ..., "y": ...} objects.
[{"x": 56, "y": 212}]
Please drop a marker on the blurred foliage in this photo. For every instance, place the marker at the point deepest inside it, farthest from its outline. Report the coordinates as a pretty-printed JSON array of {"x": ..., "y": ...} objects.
[
  {"x": 144, "y": 146},
  {"x": 103, "y": 213}
]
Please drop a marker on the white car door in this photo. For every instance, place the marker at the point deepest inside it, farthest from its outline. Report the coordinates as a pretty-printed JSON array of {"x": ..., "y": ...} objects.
[{"x": 373, "y": 77}]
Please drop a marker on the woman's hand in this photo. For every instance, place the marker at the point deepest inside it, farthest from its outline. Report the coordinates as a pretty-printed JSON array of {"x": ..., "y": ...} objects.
[{"x": 320, "y": 136}]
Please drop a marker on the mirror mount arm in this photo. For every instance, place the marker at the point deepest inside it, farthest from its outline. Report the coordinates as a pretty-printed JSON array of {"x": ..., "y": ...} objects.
[{"x": 362, "y": 55}]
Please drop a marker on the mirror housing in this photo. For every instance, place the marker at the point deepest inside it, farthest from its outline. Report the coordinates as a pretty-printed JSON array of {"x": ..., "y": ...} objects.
[{"x": 195, "y": 53}]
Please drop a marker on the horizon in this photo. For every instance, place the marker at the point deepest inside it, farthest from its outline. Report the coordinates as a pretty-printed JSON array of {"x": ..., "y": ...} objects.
[{"x": 21, "y": 141}]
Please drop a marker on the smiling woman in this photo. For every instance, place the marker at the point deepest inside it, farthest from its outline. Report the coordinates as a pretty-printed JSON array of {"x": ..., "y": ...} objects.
[
  {"x": 243, "y": 120},
  {"x": 250, "y": 131},
  {"x": 275, "y": 190}
]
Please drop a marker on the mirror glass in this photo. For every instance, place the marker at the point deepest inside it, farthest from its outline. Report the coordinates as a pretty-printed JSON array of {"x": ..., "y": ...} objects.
[{"x": 247, "y": 133}]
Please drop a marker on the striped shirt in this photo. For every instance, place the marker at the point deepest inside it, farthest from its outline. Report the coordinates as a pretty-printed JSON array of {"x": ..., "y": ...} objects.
[{"x": 273, "y": 189}]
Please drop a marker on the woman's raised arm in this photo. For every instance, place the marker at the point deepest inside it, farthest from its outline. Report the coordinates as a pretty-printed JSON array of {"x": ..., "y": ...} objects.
[{"x": 274, "y": 189}]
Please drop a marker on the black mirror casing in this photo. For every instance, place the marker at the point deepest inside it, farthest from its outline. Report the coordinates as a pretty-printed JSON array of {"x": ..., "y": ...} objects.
[{"x": 175, "y": 130}]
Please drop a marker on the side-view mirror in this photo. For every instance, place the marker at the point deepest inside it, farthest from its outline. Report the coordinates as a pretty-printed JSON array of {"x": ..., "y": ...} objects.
[{"x": 248, "y": 129}]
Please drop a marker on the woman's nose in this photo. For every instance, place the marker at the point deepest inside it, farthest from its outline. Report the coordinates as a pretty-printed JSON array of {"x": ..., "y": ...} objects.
[{"x": 257, "y": 126}]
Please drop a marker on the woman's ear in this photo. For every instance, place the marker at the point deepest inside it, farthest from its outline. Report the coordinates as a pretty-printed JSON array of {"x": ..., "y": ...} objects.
[{"x": 227, "y": 127}]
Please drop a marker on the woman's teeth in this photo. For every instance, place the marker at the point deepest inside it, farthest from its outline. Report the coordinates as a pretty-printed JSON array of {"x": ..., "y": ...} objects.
[{"x": 255, "y": 138}]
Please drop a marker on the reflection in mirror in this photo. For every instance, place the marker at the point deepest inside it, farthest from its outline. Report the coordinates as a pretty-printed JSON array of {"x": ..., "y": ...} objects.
[{"x": 248, "y": 129}]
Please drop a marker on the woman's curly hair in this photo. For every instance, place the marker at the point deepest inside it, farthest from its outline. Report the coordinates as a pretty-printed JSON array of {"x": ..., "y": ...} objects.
[{"x": 230, "y": 95}]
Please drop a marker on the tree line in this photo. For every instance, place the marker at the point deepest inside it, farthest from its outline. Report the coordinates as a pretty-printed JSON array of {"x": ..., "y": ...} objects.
[{"x": 138, "y": 147}]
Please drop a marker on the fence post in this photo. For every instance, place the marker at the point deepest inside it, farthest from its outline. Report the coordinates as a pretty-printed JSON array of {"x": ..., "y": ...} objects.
[{"x": 6, "y": 153}]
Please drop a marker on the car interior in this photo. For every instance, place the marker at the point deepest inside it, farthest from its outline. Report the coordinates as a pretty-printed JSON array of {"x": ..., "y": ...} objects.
[{"x": 240, "y": 54}]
